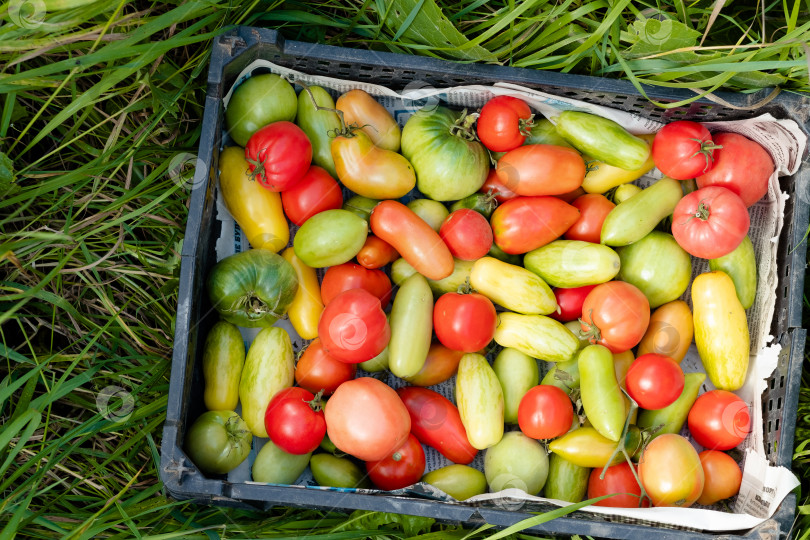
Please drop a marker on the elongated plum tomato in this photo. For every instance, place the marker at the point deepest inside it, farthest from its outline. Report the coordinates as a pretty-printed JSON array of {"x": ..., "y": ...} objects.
[
  {"x": 317, "y": 191},
  {"x": 353, "y": 327},
  {"x": 526, "y": 223},
  {"x": 279, "y": 155},
  {"x": 504, "y": 123},
  {"x": 683, "y": 150},
  {"x": 367, "y": 419},
  {"x": 542, "y": 169},
  {"x": 467, "y": 234},
  {"x": 615, "y": 314}
]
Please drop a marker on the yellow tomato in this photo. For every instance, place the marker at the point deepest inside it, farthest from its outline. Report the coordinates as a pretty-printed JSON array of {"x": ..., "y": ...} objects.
[
  {"x": 306, "y": 307},
  {"x": 369, "y": 170},
  {"x": 601, "y": 176},
  {"x": 670, "y": 331}
]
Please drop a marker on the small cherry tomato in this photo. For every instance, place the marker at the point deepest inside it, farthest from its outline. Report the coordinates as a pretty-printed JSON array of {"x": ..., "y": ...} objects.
[
  {"x": 719, "y": 420},
  {"x": 464, "y": 322},
  {"x": 504, "y": 123},
  {"x": 654, "y": 381},
  {"x": 295, "y": 421},
  {"x": 401, "y": 469},
  {"x": 317, "y": 371},
  {"x": 467, "y": 234},
  {"x": 376, "y": 253},
  {"x": 545, "y": 412},
  {"x": 441, "y": 364}
]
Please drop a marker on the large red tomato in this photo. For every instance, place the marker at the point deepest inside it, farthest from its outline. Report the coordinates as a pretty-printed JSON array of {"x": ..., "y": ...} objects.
[
  {"x": 618, "y": 479},
  {"x": 615, "y": 314},
  {"x": 654, "y": 381},
  {"x": 279, "y": 155},
  {"x": 525, "y": 223},
  {"x": 723, "y": 476},
  {"x": 719, "y": 420},
  {"x": 593, "y": 209},
  {"x": 670, "y": 471},
  {"x": 570, "y": 302},
  {"x": 366, "y": 418},
  {"x": 405, "y": 466},
  {"x": 295, "y": 421},
  {"x": 504, "y": 123},
  {"x": 353, "y": 327},
  {"x": 710, "y": 222},
  {"x": 347, "y": 276},
  {"x": 464, "y": 322},
  {"x": 317, "y": 371},
  {"x": 741, "y": 165},
  {"x": 545, "y": 412},
  {"x": 467, "y": 234},
  {"x": 683, "y": 150},
  {"x": 317, "y": 191}
]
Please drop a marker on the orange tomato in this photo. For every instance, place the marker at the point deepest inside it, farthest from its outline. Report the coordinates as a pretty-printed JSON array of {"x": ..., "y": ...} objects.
[
  {"x": 670, "y": 331},
  {"x": 671, "y": 472},
  {"x": 723, "y": 476}
]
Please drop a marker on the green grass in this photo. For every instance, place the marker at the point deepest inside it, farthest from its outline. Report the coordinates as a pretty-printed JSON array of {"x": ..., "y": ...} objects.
[{"x": 96, "y": 101}]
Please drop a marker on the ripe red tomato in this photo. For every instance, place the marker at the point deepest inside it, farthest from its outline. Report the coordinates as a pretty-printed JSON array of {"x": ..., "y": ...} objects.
[
  {"x": 467, "y": 234},
  {"x": 526, "y": 223},
  {"x": 723, "y": 476},
  {"x": 366, "y": 418},
  {"x": 348, "y": 276},
  {"x": 295, "y": 421},
  {"x": 719, "y": 420},
  {"x": 441, "y": 364},
  {"x": 318, "y": 371},
  {"x": 435, "y": 421},
  {"x": 494, "y": 185},
  {"x": 545, "y": 412},
  {"x": 317, "y": 191},
  {"x": 279, "y": 155},
  {"x": 670, "y": 471},
  {"x": 593, "y": 209},
  {"x": 504, "y": 123},
  {"x": 654, "y": 381},
  {"x": 353, "y": 327},
  {"x": 464, "y": 322},
  {"x": 683, "y": 150},
  {"x": 405, "y": 466},
  {"x": 615, "y": 314},
  {"x": 710, "y": 222},
  {"x": 570, "y": 302},
  {"x": 741, "y": 165},
  {"x": 618, "y": 479}
]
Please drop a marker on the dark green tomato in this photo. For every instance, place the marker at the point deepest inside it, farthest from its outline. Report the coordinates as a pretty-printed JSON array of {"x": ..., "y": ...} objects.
[
  {"x": 218, "y": 441},
  {"x": 258, "y": 101},
  {"x": 501, "y": 255},
  {"x": 253, "y": 288},
  {"x": 339, "y": 472},
  {"x": 483, "y": 203},
  {"x": 440, "y": 144}
]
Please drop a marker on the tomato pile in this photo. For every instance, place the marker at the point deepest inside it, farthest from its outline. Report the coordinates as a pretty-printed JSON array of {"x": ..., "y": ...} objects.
[{"x": 551, "y": 254}]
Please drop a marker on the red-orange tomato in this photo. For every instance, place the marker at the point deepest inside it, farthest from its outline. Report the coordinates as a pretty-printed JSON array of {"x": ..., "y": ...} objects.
[
  {"x": 413, "y": 238},
  {"x": 403, "y": 467},
  {"x": 467, "y": 234},
  {"x": 347, "y": 276},
  {"x": 671, "y": 472},
  {"x": 526, "y": 223},
  {"x": 722, "y": 476},
  {"x": 493, "y": 184},
  {"x": 593, "y": 209},
  {"x": 376, "y": 253},
  {"x": 316, "y": 370},
  {"x": 618, "y": 479},
  {"x": 441, "y": 364},
  {"x": 315, "y": 192},
  {"x": 435, "y": 421},
  {"x": 366, "y": 418},
  {"x": 740, "y": 165},
  {"x": 541, "y": 169},
  {"x": 503, "y": 123},
  {"x": 615, "y": 314}
]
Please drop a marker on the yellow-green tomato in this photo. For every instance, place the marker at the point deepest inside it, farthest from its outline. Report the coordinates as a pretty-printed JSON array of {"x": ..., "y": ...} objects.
[
  {"x": 741, "y": 267},
  {"x": 330, "y": 238},
  {"x": 369, "y": 170},
  {"x": 402, "y": 270},
  {"x": 537, "y": 336},
  {"x": 602, "y": 397},
  {"x": 411, "y": 327},
  {"x": 432, "y": 212},
  {"x": 318, "y": 124},
  {"x": 564, "y": 375},
  {"x": 573, "y": 263},
  {"x": 260, "y": 100},
  {"x": 480, "y": 401},
  {"x": 459, "y": 481},
  {"x": 218, "y": 441},
  {"x": 658, "y": 266},
  {"x": 566, "y": 481},
  {"x": 275, "y": 466},
  {"x": 516, "y": 462},
  {"x": 223, "y": 358},
  {"x": 333, "y": 471},
  {"x": 587, "y": 448},
  {"x": 517, "y": 373},
  {"x": 512, "y": 287}
]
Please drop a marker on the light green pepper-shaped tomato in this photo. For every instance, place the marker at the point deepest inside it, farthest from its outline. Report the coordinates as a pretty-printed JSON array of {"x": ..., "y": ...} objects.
[
  {"x": 480, "y": 401},
  {"x": 741, "y": 267},
  {"x": 566, "y": 481},
  {"x": 275, "y": 466},
  {"x": 587, "y": 448},
  {"x": 223, "y": 358},
  {"x": 260, "y": 100},
  {"x": 602, "y": 397},
  {"x": 516, "y": 462},
  {"x": 573, "y": 263},
  {"x": 440, "y": 144},
  {"x": 634, "y": 218},
  {"x": 517, "y": 373},
  {"x": 318, "y": 124},
  {"x": 658, "y": 266},
  {"x": 671, "y": 418},
  {"x": 218, "y": 441},
  {"x": 459, "y": 481},
  {"x": 411, "y": 327},
  {"x": 538, "y": 336},
  {"x": 330, "y": 238},
  {"x": 603, "y": 139},
  {"x": 333, "y": 471}
]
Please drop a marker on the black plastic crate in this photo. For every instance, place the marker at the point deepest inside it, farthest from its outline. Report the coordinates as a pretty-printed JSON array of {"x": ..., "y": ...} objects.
[{"x": 237, "y": 48}]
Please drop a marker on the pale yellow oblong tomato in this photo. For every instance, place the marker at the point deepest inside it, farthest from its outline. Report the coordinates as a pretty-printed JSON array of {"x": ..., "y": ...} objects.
[
  {"x": 257, "y": 210},
  {"x": 602, "y": 177},
  {"x": 369, "y": 170},
  {"x": 721, "y": 330},
  {"x": 362, "y": 110},
  {"x": 307, "y": 306},
  {"x": 670, "y": 332}
]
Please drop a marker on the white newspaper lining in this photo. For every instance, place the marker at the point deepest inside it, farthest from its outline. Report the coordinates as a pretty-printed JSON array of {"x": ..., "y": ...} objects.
[{"x": 764, "y": 486}]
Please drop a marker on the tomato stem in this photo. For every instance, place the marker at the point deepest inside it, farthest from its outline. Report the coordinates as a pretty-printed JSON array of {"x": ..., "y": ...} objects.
[
  {"x": 525, "y": 125},
  {"x": 592, "y": 334},
  {"x": 462, "y": 127},
  {"x": 706, "y": 148},
  {"x": 591, "y": 165},
  {"x": 316, "y": 404},
  {"x": 343, "y": 128}
]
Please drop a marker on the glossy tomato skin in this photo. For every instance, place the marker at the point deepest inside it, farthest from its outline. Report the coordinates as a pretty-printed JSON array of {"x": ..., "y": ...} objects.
[
  {"x": 279, "y": 155},
  {"x": 405, "y": 466},
  {"x": 654, "y": 381},
  {"x": 366, "y": 418},
  {"x": 295, "y": 421},
  {"x": 317, "y": 371},
  {"x": 723, "y": 476},
  {"x": 376, "y": 253},
  {"x": 315, "y": 192},
  {"x": 441, "y": 364},
  {"x": 464, "y": 322},
  {"x": 545, "y": 412},
  {"x": 719, "y": 420},
  {"x": 526, "y": 223},
  {"x": 570, "y": 302},
  {"x": 670, "y": 471},
  {"x": 257, "y": 102},
  {"x": 467, "y": 234},
  {"x": 741, "y": 165},
  {"x": 618, "y": 479},
  {"x": 435, "y": 421},
  {"x": 347, "y": 276},
  {"x": 616, "y": 314},
  {"x": 542, "y": 169},
  {"x": 683, "y": 150},
  {"x": 218, "y": 441},
  {"x": 503, "y": 123},
  {"x": 710, "y": 222},
  {"x": 593, "y": 209},
  {"x": 353, "y": 327},
  {"x": 495, "y": 186}
]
